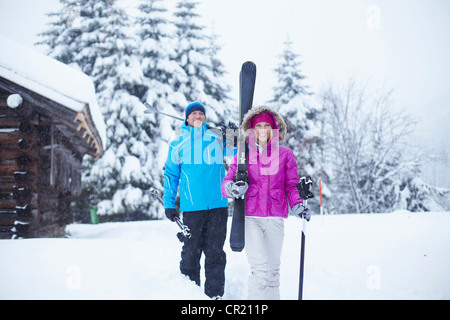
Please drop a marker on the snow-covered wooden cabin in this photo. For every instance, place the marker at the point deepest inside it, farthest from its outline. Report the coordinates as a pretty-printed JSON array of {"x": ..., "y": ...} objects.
[{"x": 49, "y": 119}]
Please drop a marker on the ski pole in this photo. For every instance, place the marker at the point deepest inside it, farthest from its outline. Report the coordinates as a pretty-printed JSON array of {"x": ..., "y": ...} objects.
[
  {"x": 302, "y": 257},
  {"x": 321, "y": 203},
  {"x": 304, "y": 192},
  {"x": 185, "y": 231},
  {"x": 152, "y": 109},
  {"x": 232, "y": 127}
]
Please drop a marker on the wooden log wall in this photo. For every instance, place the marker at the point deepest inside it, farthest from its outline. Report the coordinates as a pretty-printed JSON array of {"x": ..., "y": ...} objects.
[
  {"x": 39, "y": 173},
  {"x": 18, "y": 170}
]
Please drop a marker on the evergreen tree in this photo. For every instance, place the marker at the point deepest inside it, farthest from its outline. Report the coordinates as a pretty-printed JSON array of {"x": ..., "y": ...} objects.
[
  {"x": 129, "y": 52},
  {"x": 73, "y": 35},
  {"x": 217, "y": 88},
  {"x": 60, "y": 34},
  {"x": 196, "y": 53},
  {"x": 158, "y": 56},
  {"x": 105, "y": 46},
  {"x": 160, "y": 70},
  {"x": 292, "y": 99},
  {"x": 414, "y": 194},
  {"x": 119, "y": 179},
  {"x": 291, "y": 87}
]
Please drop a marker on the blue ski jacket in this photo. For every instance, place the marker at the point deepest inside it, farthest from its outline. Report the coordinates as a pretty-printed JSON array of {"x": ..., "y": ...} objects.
[{"x": 195, "y": 163}]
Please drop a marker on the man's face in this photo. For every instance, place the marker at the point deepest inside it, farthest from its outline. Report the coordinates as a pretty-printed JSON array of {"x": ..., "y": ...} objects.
[{"x": 196, "y": 119}]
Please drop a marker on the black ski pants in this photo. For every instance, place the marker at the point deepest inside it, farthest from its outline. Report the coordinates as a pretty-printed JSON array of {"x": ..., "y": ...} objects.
[{"x": 208, "y": 229}]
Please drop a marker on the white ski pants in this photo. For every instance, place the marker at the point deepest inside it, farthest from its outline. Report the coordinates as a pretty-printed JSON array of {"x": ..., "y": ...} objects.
[{"x": 263, "y": 243}]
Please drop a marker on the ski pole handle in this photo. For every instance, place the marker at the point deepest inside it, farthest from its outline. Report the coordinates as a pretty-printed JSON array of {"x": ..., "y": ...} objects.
[
  {"x": 184, "y": 229},
  {"x": 303, "y": 188},
  {"x": 156, "y": 194}
]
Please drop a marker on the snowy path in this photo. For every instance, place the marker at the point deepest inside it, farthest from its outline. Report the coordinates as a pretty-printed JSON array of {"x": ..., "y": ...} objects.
[{"x": 388, "y": 256}]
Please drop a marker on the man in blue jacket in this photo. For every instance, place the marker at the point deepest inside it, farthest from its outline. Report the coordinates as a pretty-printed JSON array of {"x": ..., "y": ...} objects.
[{"x": 195, "y": 164}]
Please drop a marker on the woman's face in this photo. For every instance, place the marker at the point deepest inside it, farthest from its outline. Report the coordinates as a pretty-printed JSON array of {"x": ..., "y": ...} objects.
[{"x": 262, "y": 132}]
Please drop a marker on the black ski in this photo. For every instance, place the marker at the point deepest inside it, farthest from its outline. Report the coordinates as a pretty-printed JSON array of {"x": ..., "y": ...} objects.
[{"x": 247, "y": 79}]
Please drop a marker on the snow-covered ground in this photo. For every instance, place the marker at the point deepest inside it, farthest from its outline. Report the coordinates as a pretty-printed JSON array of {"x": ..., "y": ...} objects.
[{"x": 371, "y": 256}]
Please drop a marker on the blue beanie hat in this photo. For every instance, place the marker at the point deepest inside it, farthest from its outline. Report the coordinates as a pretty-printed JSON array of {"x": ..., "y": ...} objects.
[{"x": 194, "y": 106}]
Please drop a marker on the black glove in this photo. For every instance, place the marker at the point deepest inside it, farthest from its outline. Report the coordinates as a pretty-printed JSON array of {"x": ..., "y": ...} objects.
[{"x": 172, "y": 213}]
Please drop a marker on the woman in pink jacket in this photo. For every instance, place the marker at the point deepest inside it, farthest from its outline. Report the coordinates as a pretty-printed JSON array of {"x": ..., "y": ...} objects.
[{"x": 272, "y": 179}]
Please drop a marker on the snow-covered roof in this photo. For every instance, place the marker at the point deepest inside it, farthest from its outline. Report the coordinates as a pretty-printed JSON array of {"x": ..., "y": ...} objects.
[{"x": 52, "y": 79}]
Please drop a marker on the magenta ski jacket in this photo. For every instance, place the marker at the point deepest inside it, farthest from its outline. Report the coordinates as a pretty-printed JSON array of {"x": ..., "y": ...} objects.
[{"x": 272, "y": 172}]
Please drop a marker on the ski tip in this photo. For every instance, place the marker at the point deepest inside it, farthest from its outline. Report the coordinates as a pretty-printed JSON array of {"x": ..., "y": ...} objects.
[{"x": 249, "y": 63}]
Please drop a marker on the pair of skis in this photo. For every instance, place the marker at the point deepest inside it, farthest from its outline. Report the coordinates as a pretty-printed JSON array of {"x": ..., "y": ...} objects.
[{"x": 247, "y": 79}]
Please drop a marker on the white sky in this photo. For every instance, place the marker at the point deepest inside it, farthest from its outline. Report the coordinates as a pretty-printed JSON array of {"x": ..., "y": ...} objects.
[{"x": 403, "y": 44}]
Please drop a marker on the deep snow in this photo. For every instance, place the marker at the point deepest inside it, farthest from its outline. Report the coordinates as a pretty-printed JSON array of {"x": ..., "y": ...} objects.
[{"x": 370, "y": 256}]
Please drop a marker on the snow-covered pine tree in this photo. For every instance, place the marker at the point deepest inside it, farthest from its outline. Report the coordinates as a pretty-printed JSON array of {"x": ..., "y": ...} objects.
[
  {"x": 120, "y": 178},
  {"x": 131, "y": 59},
  {"x": 160, "y": 70},
  {"x": 72, "y": 37},
  {"x": 290, "y": 79},
  {"x": 158, "y": 56},
  {"x": 73, "y": 34},
  {"x": 198, "y": 58},
  {"x": 416, "y": 195},
  {"x": 60, "y": 38},
  {"x": 291, "y": 97},
  {"x": 218, "y": 89},
  {"x": 105, "y": 44}
]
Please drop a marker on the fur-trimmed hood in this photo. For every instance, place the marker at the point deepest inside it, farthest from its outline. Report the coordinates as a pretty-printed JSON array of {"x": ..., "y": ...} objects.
[{"x": 278, "y": 119}]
